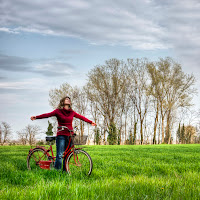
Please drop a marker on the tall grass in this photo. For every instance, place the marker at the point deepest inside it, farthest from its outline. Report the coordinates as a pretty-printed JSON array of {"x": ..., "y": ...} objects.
[{"x": 119, "y": 172}]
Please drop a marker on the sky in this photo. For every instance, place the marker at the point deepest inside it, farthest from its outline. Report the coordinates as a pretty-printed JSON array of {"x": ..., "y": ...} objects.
[{"x": 46, "y": 43}]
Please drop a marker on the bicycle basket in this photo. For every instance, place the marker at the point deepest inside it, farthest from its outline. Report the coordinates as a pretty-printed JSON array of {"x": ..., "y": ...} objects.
[{"x": 80, "y": 140}]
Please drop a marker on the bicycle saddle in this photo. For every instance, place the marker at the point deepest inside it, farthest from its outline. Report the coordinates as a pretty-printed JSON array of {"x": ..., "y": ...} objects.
[{"x": 50, "y": 138}]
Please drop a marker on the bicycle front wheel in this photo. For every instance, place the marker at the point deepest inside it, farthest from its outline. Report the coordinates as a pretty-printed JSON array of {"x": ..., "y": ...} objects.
[
  {"x": 34, "y": 159},
  {"x": 79, "y": 163}
]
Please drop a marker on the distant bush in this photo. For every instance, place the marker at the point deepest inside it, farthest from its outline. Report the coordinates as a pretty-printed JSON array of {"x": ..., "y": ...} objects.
[
  {"x": 12, "y": 144},
  {"x": 40, "y": 142}
]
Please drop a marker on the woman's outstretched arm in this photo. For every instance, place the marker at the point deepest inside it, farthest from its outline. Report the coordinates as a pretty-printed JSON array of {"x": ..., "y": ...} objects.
[
  {"x": 46, "y": 115},
  {"x": 84, "y": 119}
]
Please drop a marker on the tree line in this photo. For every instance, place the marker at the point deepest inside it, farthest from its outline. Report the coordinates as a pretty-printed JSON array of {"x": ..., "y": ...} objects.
[
  {"x": 25, "y": 136},
  {"x": 132, "y": 102}
]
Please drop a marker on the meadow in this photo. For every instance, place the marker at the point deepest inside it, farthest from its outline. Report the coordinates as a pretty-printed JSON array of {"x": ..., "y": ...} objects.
[{"x": 119, "y": 172}]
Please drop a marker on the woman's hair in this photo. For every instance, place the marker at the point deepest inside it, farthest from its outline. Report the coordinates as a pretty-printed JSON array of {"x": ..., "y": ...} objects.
[{"x": 62, "y": 103}]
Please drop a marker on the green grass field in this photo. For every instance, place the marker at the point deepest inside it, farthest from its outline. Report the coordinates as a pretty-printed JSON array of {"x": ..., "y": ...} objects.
[{"x": 119, "y": 172}]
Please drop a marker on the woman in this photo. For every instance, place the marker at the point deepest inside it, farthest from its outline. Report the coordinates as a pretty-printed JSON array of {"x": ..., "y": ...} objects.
[{"x": 64, "y": 114}]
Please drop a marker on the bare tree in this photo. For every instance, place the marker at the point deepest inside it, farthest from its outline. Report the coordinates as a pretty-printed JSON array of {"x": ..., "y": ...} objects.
[
  {"x": 179, "y": 93},
  {"x": 78, "y": 98},
  {"x": 5, "y": 132},
  {"x": 139, "y": 89},
  {"x": 171, "y": 89},
  {"x": 123, "y": 116},
  {"x": 106, "y": 87},
  {"x": 119, "y": 94},
  {"x": 23, "y": 137},
  {"x": 80, "y": 103},
  {"x": 96, "y": 115},
  {"x": 58, "y": 93},
  {"x": 156, "y": 93},
  {"x": 30, "y": 131}
]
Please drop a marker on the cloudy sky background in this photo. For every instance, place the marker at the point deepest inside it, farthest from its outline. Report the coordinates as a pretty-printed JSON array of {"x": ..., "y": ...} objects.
[{"x": 46, "y": 43}]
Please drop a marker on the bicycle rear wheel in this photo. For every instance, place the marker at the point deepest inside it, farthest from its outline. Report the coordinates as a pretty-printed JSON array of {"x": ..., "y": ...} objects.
[
  {"x": 79, "y": 163},
  {"x": 34, "y": 158}
]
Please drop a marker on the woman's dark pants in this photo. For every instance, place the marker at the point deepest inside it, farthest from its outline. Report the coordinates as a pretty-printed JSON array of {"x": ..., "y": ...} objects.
[{"x": 62, "y": 142}]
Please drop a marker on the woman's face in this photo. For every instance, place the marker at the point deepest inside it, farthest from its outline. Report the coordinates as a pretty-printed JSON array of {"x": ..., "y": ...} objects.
[{"x": 67, "y": 101}]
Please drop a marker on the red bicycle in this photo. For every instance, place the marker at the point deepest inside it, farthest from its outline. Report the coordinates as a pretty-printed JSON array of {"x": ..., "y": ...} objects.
[{"x": 77, "y": 161}]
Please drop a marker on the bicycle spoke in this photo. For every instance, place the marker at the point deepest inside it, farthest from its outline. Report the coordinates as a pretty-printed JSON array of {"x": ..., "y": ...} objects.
[
  {"x": 72, "y": 164},
  {"x": 79, "y": 163},
  {"x": 35, "y": 157},
  {"x": 40, "y": 158}
]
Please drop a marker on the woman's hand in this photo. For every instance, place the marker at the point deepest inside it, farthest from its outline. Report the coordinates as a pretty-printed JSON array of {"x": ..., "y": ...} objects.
[
  {"x": 33, "y": 118},
  {"x": 94, "y": 124}
]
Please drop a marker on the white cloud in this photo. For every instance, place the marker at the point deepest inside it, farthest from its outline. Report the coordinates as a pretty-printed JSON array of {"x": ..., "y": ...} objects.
[
  {"x": 141, "y": 24},
  {"x": 101, "y": 22},
  {"x": 32, "y": 83},
  {"x": 8, "y": 30},
  {"x": 55, "y": 68},
  {"x": 45, "y": 68},
  {"x": 183, "y": 27}
]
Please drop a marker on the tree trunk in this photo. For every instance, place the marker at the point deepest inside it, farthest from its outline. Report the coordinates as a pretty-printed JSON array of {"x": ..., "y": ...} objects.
[
  {"x": 104, "y": 136},
  {"x": 159, "y": 135},
  {"x": 125, "y": 130},
  {"x": 162, "y": 128},
  {"x": 141, "y": 132},
  {"x": 168, "y": 131},
  {"x": 154, "y": 133},
  {"x": 155, "y": 126},
  {"x": 135, "y": 131},
  {"x": 120, "y": 131},
  {"x": 81, "y": 126}
]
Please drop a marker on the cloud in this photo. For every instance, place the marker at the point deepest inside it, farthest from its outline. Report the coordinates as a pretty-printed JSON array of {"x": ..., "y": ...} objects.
[
  {"x": 73, "y": 52},
  {"x": 13, "y": 63},
  {"x": 7, "y": 30},
  {"x": 141, "y": 24},
  {"x": 2, "y": 77},
  {"x": 45, "y": 68},
  {"x": 102, "y": 22},
  {"x": 183, "y": 27},
  {"x": 54, "y": 69},
  {"x": 25, "y": 84}
]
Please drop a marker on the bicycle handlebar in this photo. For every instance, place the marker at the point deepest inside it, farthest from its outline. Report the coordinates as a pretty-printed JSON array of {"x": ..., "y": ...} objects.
[{"x": 65, "y": 127}]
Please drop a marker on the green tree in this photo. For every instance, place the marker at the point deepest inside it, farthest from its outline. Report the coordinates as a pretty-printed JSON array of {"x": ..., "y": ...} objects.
[
  {"x": 178, "y": 133},
  {"x": 119, "y": 137},
  {"x": 97, "y": 136},
  {"x": 112, "y": 134},
  {"x": 49, "y": 129},
  {"x": 131, "y": 139},
  {"x": 135, "y": 133},
  {"x": 50, "y": 132},
  {"x": 183, "y": 134}
]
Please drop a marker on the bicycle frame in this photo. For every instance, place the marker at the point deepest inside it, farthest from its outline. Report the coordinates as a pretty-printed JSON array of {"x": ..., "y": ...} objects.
[{"x": 43, "y": 164}]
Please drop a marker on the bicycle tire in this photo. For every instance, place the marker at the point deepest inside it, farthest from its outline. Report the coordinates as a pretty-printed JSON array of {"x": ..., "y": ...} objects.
[
  {"x": 81, "y": 165},
  {"x": 34, "y": 157}
]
